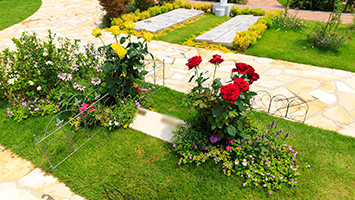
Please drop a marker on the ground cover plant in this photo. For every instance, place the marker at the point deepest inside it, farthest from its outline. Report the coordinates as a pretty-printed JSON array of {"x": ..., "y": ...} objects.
[{"x": 13, "y": 12}]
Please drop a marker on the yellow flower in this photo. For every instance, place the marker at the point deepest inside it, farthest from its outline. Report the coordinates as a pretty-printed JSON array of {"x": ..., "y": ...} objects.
[
  {"x": 148, "y": 36},
  {"x": 115, "y": 30},
  {"x": 129, "y": 24},
  {"x": 119, "y": 50},
  {"x": 97, "y": 32}
]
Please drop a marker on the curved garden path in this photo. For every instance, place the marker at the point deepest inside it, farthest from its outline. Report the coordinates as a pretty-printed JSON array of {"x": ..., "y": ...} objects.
[{"x": 329, "y": 93}]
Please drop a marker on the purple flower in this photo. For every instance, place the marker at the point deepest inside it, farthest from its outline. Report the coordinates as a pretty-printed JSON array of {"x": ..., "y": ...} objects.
[
  {"x": 174, "y": 145},
  {"x": 179, "y": 162},
  {"x": 309, "y": 166},
  {"x": 153, "y": 87},
  {"x": 243, "y": 140},
  {"x": 270, "y": 193},
  {"x": 189, "y": 108},
  {"x": 295, "y": 182},
  {"x": 204, "y": 148},
  {"x": 297, "y": 174},
  {"x": 281, "y": 178},
  {"x": 256, "y": 138},
  {"x": 8, "y": 112},
  {"x": 266, "y": 179},
  {"x": 144, "y": 90},
  {"x": 24, "y": 104},
  {"x": 36, "y": 109},
  {"x": 267, "y": 174},
  {"x": 262, "y": 174},
  {"x": 183, "y": 154},
  {"x": 273, "y": 176},
  {"x": 293, "y": 160},
  {"x": 244, "y": 184},
  {"x": 190, "y": 157},
  {"x": 263, "y": 135},
  {"x": 287, "y": 134},
  {"x": 195, "y": 146},
  {"x": 255, "y": 172},
  {"x": 258, "y": 167},
  {"x": 273, "y": 123},
  {"x": 264, "y": 185}
]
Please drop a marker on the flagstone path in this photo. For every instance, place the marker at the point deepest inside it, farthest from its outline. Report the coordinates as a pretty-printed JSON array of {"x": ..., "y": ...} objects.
[{"x": 329, "y": 93}]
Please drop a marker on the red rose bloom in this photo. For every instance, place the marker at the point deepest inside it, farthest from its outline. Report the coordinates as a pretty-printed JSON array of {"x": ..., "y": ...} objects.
[
  {"x": 194, "y": 61},
  {"x": 242, "y": 84},
  {"x": 253, "y": 76},
  {"x": 349, "y": 38},
  {"x": 216, "y": 59},
  {"x": 230, "y": 92},
  {"x": 242, "y": 68}
]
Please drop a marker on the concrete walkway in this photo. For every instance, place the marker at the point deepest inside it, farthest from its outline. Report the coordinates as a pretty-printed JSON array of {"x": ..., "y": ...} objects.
[{"x": 329, "y": 92}]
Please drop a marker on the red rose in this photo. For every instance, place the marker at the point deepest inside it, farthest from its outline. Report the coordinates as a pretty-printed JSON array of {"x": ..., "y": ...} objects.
[
  {"x": 242, "y": 68},
  {"x": 230, "y": 92},
  {"x": 253, "y": 77},
  {"x": 194, "y": 61},
  {"x": 216, "y": 59},
  {"x": 349, "y": 38},
  {"x": 242, "y": 84}
]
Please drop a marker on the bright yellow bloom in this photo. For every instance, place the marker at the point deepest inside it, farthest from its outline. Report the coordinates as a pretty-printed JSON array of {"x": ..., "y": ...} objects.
[
  {"x": 119, "y": 50},
  {"x": 115, "y": 30},
  {"x": 97, "y": 32},
  {"x": 129, "y": 24},
  {"x": 148, "y": 36}
]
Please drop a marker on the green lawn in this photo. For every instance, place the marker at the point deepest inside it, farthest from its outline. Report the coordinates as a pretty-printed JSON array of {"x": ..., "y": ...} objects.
[
  {"x": 146, "y": 167},
  {"x": 14, "y": 11},
  {"x": 288, "y": 45},
  {"x": 182, "y": 34}
]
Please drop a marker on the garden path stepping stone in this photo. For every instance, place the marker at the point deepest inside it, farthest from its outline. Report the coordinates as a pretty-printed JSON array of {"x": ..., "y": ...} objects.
[
  {"x": 166, "y": 20},
  {"x": 224, "y": 34}
]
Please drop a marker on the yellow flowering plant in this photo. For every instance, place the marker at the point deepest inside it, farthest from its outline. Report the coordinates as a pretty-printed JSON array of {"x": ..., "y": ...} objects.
[{"x": 123, "y": 64}]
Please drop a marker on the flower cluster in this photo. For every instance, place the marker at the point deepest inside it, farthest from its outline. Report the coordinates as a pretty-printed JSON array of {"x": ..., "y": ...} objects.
[{"x": 65, "y": 76}]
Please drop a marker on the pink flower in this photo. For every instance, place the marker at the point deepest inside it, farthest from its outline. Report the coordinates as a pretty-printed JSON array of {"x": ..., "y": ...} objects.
[
  {"x": 239, "y": 146},
  {"x": 84, "y": 115},
  {"x": 228, "y": 148},
  {"x": 83, "y": 107},
  {"x": 91, "y": 110},
  {"x": 139, "y": 89},
  {"x": 231, "y": 142}
]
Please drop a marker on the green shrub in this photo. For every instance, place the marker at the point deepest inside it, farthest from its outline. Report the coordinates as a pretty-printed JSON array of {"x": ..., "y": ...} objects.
[
  {"x": 117, "y": 22},
  {"x": 188, "y": 5},
  {"x": 164, "y": 9},
  {"x": 130, "y": 17},
  {"x": 198, "y": 6},
  {"x": 169, "y": 5},
  {"x": 143, "y": 4},
  {"x": 321, "y": 5},
  {"x": 114, "y": 8},
  {"x": 245, "y": 11},
  {"x": 205, "y": 7},
  {"x": 153, "y": 11}
]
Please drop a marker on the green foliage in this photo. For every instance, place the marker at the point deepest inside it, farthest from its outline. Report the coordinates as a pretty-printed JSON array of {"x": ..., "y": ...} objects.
[
  {"x": 188, "y": 5},
  {"x": 246, "y": 11},
  {"x": 143, "y": 4},
  {"x": 154, "y": 10},
  {"x": 321, "y": 5},
  {"x": 244, "y": 39},
  {"x": 43, "y": 70}
]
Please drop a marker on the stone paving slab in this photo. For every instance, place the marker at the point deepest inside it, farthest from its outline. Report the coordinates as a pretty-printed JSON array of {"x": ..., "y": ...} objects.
[
  {"x": 218, "y": 31},
  {"x": 225, "y": 33},
  {"x": 166, "y": 20}
]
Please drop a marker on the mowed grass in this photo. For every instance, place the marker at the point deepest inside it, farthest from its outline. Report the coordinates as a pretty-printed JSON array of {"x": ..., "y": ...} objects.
[
  {"x": 180, "y": 35},
  {"x": 279, "y": 44},
  {"x": 14, "y": 11},
  {"x": 146, "y": 167},
  {"x": 288, "y": 45}
]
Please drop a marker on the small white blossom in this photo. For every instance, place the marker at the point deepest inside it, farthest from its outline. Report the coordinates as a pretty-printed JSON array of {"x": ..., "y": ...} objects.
[
  {"x": 49, "y": 62},
  {"x": 11, "y": 81},
  {"x": 39, "y": 88},
  {"x": 30, "y": 82}
]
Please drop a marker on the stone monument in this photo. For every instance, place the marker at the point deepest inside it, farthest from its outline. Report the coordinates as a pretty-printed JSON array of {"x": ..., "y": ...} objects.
[{"x": 222, "y": 8}]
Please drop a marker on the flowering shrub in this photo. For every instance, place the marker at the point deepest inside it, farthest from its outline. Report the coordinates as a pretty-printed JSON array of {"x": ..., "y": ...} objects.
[
  {"x": 265, "y": 160},
  {"x": 43, "y": 70},
  {"x": 221, "y": 108},
  {"x": 123, "y": 65}
]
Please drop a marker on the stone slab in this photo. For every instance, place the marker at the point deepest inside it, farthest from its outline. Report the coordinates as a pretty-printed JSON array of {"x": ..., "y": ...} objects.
[
  {"x": 9, "y": 191},
  {"x": 13, "y": 167},
  {"x": 218, "y": 31},
  {"x": 155, "y": 124},
  {"x": 227, "y": 38},
  {"x": 166, "y": 20},
  {"x": 225, "y": 7}
]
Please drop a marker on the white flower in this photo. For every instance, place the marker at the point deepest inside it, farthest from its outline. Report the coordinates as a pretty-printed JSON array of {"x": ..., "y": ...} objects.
[
  {"x": 39, "y": 88},
  {"x": 45, "y": 54},
  {"x": 11, "y": 81},
  {"x": 110, "y": 123},
  {"x": 116, "y": 123},
  {"x": 236, "y": 162},
  {"x": 30, "y": 82},
  {"x": 49, "y": 62},
  {"x": 245, "y": 163}
]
